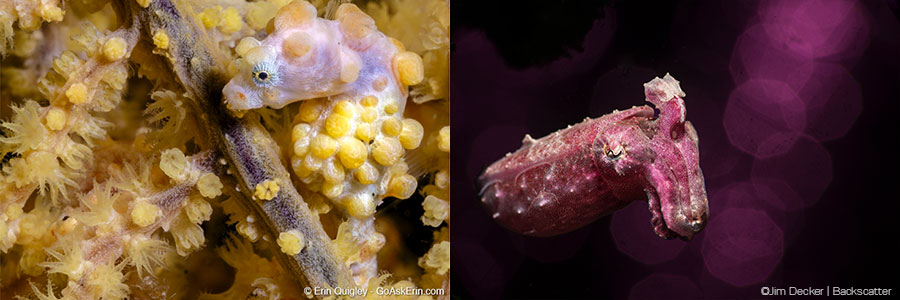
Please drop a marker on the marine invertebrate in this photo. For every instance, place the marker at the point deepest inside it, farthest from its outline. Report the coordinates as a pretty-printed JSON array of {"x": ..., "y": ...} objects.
[
  {"x": 28, "y": 15},
  {"x": 571, "y": 177},
  {"x": 112, "y": 176}
]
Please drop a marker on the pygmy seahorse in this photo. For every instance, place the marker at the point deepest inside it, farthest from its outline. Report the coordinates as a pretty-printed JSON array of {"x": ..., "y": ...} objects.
[
  {"x": 349, "y": 140},
  {"x": 349, "y": 136}
]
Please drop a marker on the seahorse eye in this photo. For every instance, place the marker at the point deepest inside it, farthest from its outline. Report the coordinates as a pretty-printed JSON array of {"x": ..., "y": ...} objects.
[{"x": 262, "y": 76}]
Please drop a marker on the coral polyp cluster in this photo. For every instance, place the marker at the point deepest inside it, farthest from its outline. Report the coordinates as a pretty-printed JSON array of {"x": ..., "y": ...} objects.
[{"x": 128, "y": 168}]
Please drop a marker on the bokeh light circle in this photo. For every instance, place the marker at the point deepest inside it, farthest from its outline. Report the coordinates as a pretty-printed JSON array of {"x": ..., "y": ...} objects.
[
  {"x": 833, "y": 99},
  {"x": 806, "y": 171},
  {"x": 742, "y": 246},
  {"x": 815, "y": 28},
  {"x": 764, "y": 117},
  {"x": 755, "y": 55}
]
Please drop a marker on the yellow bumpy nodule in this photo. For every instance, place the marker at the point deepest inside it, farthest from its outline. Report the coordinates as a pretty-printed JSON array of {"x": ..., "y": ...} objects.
[{"x": 351, "y": 150}]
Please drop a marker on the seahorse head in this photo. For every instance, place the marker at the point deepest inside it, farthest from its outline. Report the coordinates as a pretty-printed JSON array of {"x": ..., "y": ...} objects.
[{"x": 304, "y": 57}]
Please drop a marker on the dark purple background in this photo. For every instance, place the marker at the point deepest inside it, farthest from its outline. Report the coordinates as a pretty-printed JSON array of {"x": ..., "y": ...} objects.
[{"x": 795, "y": 103}]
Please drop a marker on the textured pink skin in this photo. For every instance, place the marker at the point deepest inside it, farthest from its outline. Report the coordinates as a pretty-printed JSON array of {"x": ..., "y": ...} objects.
[{"x": 576, "y": 175}]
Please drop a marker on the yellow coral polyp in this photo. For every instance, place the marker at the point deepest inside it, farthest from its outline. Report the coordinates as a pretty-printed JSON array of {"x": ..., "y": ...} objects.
[
  {"x": 360, "y": 206},
  {"x": 402, "y": 187},
  {"x": 266, "y": 190},
  {"x": 198, "y": 210},
  {"x": 436, "y": 211},
  {"x": 55, "y": 118},
  {"x": 231, "y": 21},
  {"x": 310, "y": 111},
  {"x": 51, "y": 13},
  {"x": 391, "y": 126},
  {"x": 409, "y": 67},
  {"x": 332, "y": 189},
  {"x": 68, "y": 260},
  {"x": 248, "y": 230},
  {"x": 337, "y": 125},
  {"x": 365, "y": 132},
  {"x": 444, "y": 139},
  {"x": 323, "y": 146},
  {"x": 366, "y": 174},
  {"x": 299, "y": 131},
  {"x": 344, "y": 108},
  {"x": 391, "y": 107},
  {"x": 412, "y": 133},
  {"x": 160, "y": 39},
  {"x": 144, "y": 253},
  {"x": 332, "y": 171},
  {"x": 188, "y": 235},
  {"x": 29, "y": 23},
  {"x": 66, "y": 63},
  {"x": 209, "y": 185},
  {"x": 144, "y": 213},
  {"x": 116, "y": 78},
  {"x": 291, "y": 242},
  {"x": 353, "y": 153},
  {"x": 437, "y": 258},
  {"x": 387, "y": 150},
  {"x": 442, "y": 179},
  {"x": 311, "y": 164},
  {"x": 259, "y": 14},
  {"x": 43, "y": 165},
  {"x": 114, "y": 49},
  {"x": 301, "y": 147},
  {"x": 210, "y": 17},
  {"x": 77, "y": 93},
  {"x": 173, "y": 163}
]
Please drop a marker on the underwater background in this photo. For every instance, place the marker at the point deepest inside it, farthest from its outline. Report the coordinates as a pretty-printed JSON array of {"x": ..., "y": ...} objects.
[{"x": 795, "y": 106}]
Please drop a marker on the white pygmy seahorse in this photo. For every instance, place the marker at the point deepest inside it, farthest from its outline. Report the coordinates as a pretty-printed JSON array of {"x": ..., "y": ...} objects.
[{"x": 349, "y": 147}]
